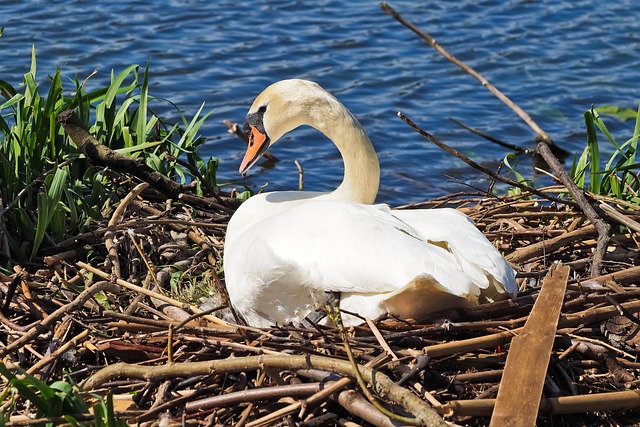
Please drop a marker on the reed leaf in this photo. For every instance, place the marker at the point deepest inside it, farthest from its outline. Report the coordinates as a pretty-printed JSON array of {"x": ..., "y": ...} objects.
[
  {"x": 46, "y": 203},
  {"x": 593, "y": 152}
]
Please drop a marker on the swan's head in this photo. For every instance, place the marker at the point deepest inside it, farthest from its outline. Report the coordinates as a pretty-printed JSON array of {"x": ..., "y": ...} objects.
[{"x": 280, "y": 108}]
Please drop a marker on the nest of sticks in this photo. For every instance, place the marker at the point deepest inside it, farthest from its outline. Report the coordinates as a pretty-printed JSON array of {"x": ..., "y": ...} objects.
[{"x": 110, "y": 312}]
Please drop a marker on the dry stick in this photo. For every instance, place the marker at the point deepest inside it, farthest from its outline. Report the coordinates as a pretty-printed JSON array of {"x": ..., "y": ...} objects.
[
  {"x": 320, "y": 396},
  {"x": 101, "y": 155},
  {"x": 61, "y": 350},
  {"x": 171, "y": 301},
  {"x": 611, "y": 401},
  {"x": 334, "y": 314},
  {"x": 25, "y": 421},
  {"x": 330, "y": 388},
  {"x": 140, "y": 223},
  {"x": 481, "y": 168},
  {"x": 112, "y": 249},
  {"x": 490, "y": 138},
  {"x": 580, "y": 198},
  {"x": 621, "y": 277},
  {"x": 152, "y": 294},
  {"x": 620, "y": 217},
  {"x": 54, "y": 317},
  {"x": 542, "y": 135},
  {"x": 549, "y": 246},
  {"x": 382, "y": 384},
  {"x": 590, "y": 315},
  {"x": 357, "y": 405},
  {"x": 253, "y": 395},
  {"x": 526, "y": 366},
  {"x": 349, "y": 399},
  {"x": 195, "y": 172}
]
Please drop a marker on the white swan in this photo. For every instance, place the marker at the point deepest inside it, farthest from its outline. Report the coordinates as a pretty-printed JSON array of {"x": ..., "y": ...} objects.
[{"x": 285, "y": 250}]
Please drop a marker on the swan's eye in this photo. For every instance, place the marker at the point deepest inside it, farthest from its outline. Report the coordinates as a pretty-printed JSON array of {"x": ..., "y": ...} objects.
[{"x": 262, "y": 109}]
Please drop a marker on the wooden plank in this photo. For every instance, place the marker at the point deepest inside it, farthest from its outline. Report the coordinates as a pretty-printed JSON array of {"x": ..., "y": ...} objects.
[{"x": 526, "y": 366}]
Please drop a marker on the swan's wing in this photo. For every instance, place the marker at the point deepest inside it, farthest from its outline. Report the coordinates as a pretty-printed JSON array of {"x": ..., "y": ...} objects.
[
  {"x": 281, "y": 267},
  {"x": 456, "y": 231}
]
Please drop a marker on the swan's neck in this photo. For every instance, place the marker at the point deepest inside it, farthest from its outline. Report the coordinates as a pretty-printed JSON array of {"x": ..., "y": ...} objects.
[{"x": 361, "y": 167}]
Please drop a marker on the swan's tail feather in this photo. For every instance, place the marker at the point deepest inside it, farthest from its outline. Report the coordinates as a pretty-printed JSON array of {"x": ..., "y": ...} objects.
[{"x": 425, "y": 295}]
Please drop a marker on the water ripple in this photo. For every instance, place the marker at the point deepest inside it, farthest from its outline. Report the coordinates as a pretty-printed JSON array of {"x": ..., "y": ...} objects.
[{"x": 554, "y": 58}]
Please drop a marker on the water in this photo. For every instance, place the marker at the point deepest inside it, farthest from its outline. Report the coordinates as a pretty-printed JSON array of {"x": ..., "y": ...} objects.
[{"x": 554, "y": 58}]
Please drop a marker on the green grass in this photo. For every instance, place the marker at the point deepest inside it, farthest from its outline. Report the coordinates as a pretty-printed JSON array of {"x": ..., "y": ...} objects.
[
  {"x": 48, "y": 191},
  {"x": 618, "y": 176}
]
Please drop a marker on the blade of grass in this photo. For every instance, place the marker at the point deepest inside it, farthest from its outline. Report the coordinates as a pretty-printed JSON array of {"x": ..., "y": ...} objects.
[{"x": 594, "y": 152}]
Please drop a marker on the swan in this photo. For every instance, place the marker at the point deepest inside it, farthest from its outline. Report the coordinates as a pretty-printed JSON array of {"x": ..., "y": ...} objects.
[{"x": 284, "y": 251}]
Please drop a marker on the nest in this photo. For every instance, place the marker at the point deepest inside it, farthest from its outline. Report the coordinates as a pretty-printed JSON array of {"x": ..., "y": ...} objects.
[{"x": 135, "y": 310}]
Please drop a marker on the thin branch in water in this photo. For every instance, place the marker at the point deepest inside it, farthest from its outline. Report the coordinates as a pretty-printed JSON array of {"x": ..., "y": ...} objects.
[
  {"x": 481, "y": 168},
  {"x": 517, "y": 149}
]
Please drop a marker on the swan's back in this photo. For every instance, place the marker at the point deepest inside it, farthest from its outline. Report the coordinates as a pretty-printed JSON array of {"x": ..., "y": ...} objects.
[{"x": 279, "y": 269}]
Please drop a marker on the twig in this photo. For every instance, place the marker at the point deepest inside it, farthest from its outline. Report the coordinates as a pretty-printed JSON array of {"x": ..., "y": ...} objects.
[
  {"x": 152, "y": 294},
  {"x": 101, "y": 155},
  {"x": 61, "y": 350},
  {"x": 585, "y": 317},
  {"x": 360, "y": 407},
  {"x": 333, "y": 312},
  {"x": 481, "y": 168},
  {"x": 322, "y": 394},
  {"x": 253, "y": 395},
  {"x": 195, "y": 172},
  {"x": 380, "y": 338},
  {"x": 175, "y": 223},
  {"x": 526, "y": 253},
  {"x": 112, "y": 249},
  {"x": 490, "y": 138},
  {"x": 54, "y": 317},
  {"x": 300, "y": 175},
  {"x": 612, "y": 401},
  {"x": 619, "y": 217},
  {"x": 580, "y": 198},
  {"x": 383, "y": 385}
]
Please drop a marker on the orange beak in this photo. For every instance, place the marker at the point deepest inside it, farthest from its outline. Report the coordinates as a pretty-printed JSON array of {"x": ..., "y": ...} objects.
[{"x": 258, "y": 144}]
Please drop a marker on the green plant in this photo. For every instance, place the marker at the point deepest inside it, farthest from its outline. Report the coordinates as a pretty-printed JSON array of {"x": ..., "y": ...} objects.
[
  {"x": 56, "y": 402},
  {"x": 511, "y": 162},
  {"x": 47, "y": 189},
  {"x": 618, "y": 178}
]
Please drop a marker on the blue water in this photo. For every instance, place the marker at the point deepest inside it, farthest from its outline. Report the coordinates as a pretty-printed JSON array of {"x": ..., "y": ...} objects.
[{"x": 554, "y": 58}]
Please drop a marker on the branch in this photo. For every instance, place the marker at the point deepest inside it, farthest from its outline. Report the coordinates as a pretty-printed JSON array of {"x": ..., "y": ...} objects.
[
  {"x": 101, "y": 155},
  {"x": 490, "y": 138},
  {"x": 382, "y": 384},
  {"x": 481, "y": 168},
  {"x": 54, "y": 317},
  {"x": 580, "y": 198}
]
